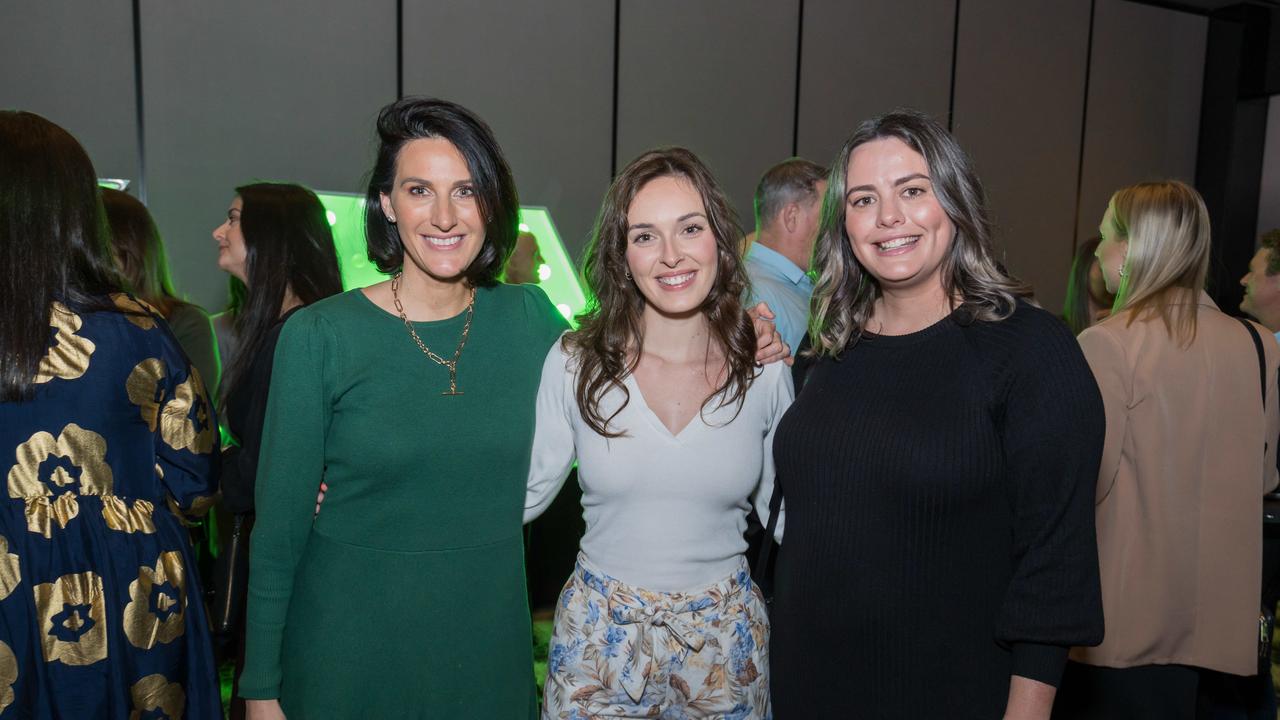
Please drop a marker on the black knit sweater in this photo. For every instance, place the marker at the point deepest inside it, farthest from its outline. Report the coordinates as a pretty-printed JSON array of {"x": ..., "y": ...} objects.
[{"x": 939, "y": 521}]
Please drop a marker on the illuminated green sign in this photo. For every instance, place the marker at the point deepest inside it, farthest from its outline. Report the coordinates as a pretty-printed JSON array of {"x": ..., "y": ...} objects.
[{"x": 557, "y": 275}]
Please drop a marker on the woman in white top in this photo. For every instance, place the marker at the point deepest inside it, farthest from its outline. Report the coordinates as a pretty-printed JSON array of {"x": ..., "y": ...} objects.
[{"x": 658, "y": 398}]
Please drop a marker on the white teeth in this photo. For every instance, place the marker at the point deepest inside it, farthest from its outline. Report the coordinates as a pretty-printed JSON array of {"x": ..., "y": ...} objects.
[
  {"x": 897, "y": 242},
  {"x": 445, "y": 242},
  {"x": 675, "y": 279}
]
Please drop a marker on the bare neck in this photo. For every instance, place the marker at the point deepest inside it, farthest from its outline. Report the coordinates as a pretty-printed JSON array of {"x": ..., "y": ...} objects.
[
  {"x": 900, "y": 311},
  {"x": 290, "y": 301},
  {"x": 675, "y": 339},
  {"x": 425, "y": 298},
  {"x": 794, "y": 249}
]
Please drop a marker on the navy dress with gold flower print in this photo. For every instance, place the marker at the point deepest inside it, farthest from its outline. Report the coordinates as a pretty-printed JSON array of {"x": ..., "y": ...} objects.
[{"x": 100, "y": 610}]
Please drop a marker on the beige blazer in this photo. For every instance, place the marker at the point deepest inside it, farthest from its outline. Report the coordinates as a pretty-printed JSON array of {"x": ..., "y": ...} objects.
[{"x": 1180, "y": 490}]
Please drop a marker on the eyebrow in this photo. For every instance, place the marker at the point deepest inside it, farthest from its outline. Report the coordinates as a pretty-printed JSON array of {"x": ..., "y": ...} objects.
[
  {"x": 428, "y": 183},
  {"x": 900, "y": 181},
  {"x": 680, "y": 219}
]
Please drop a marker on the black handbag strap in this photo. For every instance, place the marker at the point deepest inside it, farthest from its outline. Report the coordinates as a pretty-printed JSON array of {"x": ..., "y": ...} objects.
[
  {"x": 1262, "y": 358},
  {"x": 766, "y": 545}
]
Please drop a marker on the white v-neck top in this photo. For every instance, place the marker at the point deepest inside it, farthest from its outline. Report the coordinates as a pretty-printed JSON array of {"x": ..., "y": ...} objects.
[{"x": 663, "y": 512}]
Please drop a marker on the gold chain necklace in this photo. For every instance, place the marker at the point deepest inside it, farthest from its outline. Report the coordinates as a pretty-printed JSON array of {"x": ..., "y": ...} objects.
[{"x": 451, "y": 365}]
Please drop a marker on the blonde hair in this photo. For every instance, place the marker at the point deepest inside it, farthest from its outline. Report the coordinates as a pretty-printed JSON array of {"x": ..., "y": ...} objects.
[
  {"x": 1167, "y": 227},
  {"x": 845, "y": 293}
]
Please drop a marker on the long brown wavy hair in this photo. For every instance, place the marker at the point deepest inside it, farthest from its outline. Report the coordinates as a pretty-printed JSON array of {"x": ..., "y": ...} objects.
[{"x": 610, "y": 337}]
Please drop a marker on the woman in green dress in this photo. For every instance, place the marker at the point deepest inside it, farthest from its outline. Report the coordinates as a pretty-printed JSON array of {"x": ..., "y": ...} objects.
[{"x": 413, "y": 400}]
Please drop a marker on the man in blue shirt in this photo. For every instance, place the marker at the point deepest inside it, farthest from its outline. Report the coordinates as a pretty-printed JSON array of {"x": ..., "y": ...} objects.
[{"x": 788, "y": 206}]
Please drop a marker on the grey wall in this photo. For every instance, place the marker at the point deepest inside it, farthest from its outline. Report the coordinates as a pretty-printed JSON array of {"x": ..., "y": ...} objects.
[
  {"x": 1269, "y": 200},
  {"x": 1021, "y": 123},
  {"x": 1143, "y": 122},
  {"x": 1057, "y": 112}
]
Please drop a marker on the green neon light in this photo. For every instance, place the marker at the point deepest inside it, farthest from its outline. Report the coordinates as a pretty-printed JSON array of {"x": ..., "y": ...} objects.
[{"x": 558, "y": 277}]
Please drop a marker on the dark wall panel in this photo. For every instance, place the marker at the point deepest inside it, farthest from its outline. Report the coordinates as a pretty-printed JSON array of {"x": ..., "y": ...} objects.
[
  {"x": 716, "y": 76},
  {"x": 542, "y": 77},
  {"x": 1269, "y": 198},
  {"x": 1020, "y": 121},
  {"x": 240, "y": 90},
  {"x": 868, "y": 57},
  {"x": 1143, "y": 117},
  {"x": 72, "y": 62}
]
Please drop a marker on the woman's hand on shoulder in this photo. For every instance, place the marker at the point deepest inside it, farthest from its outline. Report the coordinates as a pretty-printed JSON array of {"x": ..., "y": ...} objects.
[
  {"x": 263, "y": 710},
  {"x": 769, "y": 345}
]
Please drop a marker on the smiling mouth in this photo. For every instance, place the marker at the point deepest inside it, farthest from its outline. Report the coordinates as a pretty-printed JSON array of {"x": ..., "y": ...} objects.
[
  {"x": 444, "y": 243},
  {"x": 898, "y": 243},
  {"x": 675, "y": 281}
]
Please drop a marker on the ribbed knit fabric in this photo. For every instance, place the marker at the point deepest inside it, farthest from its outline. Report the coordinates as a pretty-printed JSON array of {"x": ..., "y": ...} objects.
[{"x": 940, "y": 523}]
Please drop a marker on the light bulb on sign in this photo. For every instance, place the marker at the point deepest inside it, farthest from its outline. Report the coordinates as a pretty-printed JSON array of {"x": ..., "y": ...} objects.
[
  {"x": 565, "y": 311},
  {"x": 544, "y": 272},
  {"x": 332, "y": 217}
]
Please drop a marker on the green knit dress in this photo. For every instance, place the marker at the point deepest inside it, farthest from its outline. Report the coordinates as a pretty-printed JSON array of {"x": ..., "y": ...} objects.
[{"x": 405, "y": 597}]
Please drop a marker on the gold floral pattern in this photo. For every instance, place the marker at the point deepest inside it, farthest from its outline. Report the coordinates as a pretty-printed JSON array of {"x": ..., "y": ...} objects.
[
  {"x": 51, "y": 474},
  {"x": 8, "y": 675},
  {"x": 138, "y": 312},
  {"x": 157, "y": 603},
  {"x": 155, "y": 692},
  {"x": 68, "y": 354},
  {"x": 128, "y": 518},
  {"x": 73, "y": 625},
  {"x": 144, "y": 389},
  {"x": 10, "y": 569},
  {"x": 185, "y": 419}
]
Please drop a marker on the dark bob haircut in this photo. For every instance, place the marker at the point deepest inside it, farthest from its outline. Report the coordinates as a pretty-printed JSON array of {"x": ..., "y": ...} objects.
[{"x": 415, "y": 118}]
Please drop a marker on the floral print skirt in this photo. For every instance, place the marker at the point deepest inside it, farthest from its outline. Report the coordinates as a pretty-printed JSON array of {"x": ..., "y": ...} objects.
[{"x": 619, "y": 651}]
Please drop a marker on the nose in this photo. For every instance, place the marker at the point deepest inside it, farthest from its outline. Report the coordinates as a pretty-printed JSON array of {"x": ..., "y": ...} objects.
[
  {"x": 671, "y": 255},
  {"x": 890, "y": 213},
  {"x": 443, "y": 215},
  {"x": 219, "y": 233},
  {"x": 1245, "y": 280}
]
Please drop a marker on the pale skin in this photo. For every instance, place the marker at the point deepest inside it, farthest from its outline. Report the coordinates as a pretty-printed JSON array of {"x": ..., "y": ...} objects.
[
  {"x": 434, "y": 205},
  {"x": 669, "y": 240},
  {"x": 233, "y": 256},
  {"x": 900, "y": 234}
]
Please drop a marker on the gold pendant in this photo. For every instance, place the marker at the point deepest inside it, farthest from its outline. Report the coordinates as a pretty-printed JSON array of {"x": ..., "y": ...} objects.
[{"x": 452, "y": 392}]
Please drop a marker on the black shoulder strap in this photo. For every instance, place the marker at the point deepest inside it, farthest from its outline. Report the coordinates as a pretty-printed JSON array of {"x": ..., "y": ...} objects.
[
  {"x": 1262, "y": 358},
  {"x": 766, "y": 544}
]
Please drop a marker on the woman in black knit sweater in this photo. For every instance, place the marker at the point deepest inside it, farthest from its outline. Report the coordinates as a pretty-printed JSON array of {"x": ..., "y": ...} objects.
[{"x": 939, "y": 462}]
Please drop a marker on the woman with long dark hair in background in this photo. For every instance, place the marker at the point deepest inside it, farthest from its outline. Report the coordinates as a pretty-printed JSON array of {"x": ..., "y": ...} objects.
[
  {"x": 109, "y": 439},
  {"x": 277, "y": 243},
  {"x": 938, "y": 463},
  {"x": 1088, "y": 300},
  {"x": 141, "y": 256},
  {"x": 658, "y": 398}
]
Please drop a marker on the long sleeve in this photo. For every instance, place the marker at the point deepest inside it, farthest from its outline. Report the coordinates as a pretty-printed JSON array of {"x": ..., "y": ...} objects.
[
  {"x": 553, "y": 447},
  {"x": 1053, "y": 432},
  {"x": 1110, "y": 371},
  {"x": 187, "y": 431},
  {"x": 780, "y": 397},
  {"x": 194, "y": 331},
  {"x": 291, "y": 468}
]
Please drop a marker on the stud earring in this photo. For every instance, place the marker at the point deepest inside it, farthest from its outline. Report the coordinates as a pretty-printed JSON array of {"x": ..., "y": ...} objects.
[{"x": 627, "y": 273}]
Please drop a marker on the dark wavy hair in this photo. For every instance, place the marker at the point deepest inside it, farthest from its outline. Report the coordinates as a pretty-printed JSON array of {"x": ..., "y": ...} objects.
[
  {"x": 415, "y": 118},
  {"x": 53, "y": 242},
  {"x": 1075, "y": 309},
  {"x": 139, "y": 251},
  {"x": 845, "y": 293},
  {"x": 610, "y": 336},
  {"x": 288, "y": 246}
]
